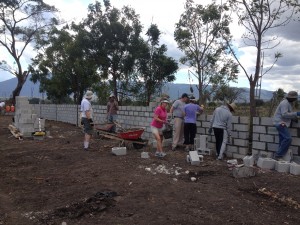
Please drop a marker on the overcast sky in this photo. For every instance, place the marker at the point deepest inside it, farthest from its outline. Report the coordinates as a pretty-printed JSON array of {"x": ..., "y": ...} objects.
[{"x": 165, "y": 13}]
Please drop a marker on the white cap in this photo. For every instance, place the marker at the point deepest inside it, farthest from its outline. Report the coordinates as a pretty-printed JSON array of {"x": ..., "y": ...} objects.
[
  {"x": 112, "y": 95},
  {"x": 89, "y": 95}
]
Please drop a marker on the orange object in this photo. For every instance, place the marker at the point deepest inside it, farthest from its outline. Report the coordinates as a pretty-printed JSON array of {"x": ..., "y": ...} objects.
[
  {"x": 12, "y": 108},
  {"x": 7, "y": 108}
]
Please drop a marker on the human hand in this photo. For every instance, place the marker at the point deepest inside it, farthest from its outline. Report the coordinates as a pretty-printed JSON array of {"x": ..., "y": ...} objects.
[
  {"x": 229, "y": 140},
  {"x": 210, "y": 130}
]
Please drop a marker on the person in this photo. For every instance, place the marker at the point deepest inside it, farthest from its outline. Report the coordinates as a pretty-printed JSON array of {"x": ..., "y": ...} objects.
[
  {"x": 159, "y": 119},
  {"x": 282, "y": 119},
  {"x": 112, "y": 111},
  {"x": 190, "y": 129},
  {"x": 177, "y": 110},
  {"x": 2, "y": 108},
  {"x": 221, "y": 123},
  {"x": 87, "y": 118}
]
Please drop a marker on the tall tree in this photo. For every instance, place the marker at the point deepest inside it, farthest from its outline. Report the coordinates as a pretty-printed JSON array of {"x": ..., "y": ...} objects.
[
  {"x": 259, "y": 17},
  {"x": 21, "y": 22},
  {"x": 115, "y": 35},
  {"x": 66, "y": 66},
  {"x": 199, "y": 34},
  {"x": 154, "y": 66}
]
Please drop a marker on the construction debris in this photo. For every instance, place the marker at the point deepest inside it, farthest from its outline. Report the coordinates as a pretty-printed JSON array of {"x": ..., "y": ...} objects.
[{"x": 15, "y": 132}]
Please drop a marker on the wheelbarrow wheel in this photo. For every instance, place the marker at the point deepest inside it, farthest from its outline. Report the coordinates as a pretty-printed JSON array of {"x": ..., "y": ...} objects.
[{"x": 137, "y": 145}]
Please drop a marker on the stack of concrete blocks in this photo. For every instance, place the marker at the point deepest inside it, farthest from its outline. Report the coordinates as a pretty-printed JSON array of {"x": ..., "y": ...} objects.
[
  {"x": 294, "y": 168},
  {"x": 119, "y": 150},
  {"x": 194, "y": 158},
  {"x": 25, "y": 119},
  {"x": 200, "y": 145},
  {"x": 266, "y": 163}
]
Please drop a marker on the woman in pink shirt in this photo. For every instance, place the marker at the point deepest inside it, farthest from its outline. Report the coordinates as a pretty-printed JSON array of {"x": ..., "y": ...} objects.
[{"x": 159, "y": 119}]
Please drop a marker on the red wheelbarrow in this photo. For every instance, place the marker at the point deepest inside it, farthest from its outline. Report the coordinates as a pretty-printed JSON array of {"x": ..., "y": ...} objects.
[{"x": 131, "y": 135}]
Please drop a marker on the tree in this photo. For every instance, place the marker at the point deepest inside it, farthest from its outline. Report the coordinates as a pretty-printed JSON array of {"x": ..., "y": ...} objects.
[
  {"x": 154, "y": 66},
  {"x": 200, "y": 35},
  {"x": 115, "y": 35},
  {"x": 21, "y": 22},
  {"x": 65, "y": 67},
  {"x": 228, "y": 94},
  {"x": 258, "y": 17}
]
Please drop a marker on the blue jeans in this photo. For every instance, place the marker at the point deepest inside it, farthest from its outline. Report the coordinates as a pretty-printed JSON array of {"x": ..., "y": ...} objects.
[{"x": 285, "y": 140}]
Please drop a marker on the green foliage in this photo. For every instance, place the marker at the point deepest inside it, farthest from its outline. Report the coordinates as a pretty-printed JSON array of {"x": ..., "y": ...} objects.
[
  {"x": 153, "y": 65},
  {"x": 22, "y": 22},
  {"x": 200, "y": 35},
  {"x": 65, "y": 67}
]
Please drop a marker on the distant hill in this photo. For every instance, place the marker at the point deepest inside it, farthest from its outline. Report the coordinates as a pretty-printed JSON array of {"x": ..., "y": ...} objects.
[{"x": 31, "y": 90}]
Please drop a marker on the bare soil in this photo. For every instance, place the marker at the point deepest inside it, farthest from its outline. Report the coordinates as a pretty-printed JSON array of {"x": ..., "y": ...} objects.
[{"x": 54, "y": 180}]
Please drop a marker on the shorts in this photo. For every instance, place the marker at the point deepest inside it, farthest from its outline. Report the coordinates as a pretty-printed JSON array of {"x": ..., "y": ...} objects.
[
  {"x": 88, "y": 129},
  {"x": 156, "y": 130}
]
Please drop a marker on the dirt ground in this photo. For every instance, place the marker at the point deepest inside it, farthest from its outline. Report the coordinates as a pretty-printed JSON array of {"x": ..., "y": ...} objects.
[{"x": 53, "y": 181}]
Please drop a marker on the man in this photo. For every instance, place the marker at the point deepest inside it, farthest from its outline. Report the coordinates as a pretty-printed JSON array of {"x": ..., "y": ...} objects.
[
  {"x": 2, "y": 108},
  {"x": 192, "y": 109},
  {"x": 221, "y": 123},
  {"x": 112, "y": 111},
  {"x": 177, "y": 110},
  {"x": 87, "y": 118},
  {"x": 282, "y": 120}
]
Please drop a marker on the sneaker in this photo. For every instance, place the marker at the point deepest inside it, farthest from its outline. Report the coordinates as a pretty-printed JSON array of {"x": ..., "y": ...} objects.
[
  {"x": 173, "y": 148},
  {"x": 163, "y": 154},
  {"x": 187, "y": 149},
  {"x": 157, "y": 154},
  {"x": 85, "y": 149}
]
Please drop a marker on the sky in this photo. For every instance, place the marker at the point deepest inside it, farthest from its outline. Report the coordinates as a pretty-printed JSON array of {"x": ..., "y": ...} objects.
[{"x": 165, "y": 13}]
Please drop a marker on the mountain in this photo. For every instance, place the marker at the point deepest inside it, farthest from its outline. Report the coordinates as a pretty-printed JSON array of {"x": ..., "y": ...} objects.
[
  {"x": 173, "y": 90},
  {"x": 29, "y": 89}
]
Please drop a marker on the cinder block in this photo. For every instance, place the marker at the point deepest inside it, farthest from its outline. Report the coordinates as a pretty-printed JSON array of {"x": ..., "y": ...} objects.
[
  {"x": 295, "y": 168},
  {"x": 203, "y": 151},
  {"x": 248, "y": 160},
  {"x": 119, "y": 150},
  {"x": 288, "y": 156},
  {"x": 282, "y": 166},
  {"x": 239, "y": 172},
  {"x": 194, "y": 158},
  {"x": 266, "y": 163}
]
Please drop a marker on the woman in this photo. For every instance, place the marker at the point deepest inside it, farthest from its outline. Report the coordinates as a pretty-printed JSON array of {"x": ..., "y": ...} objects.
[{"x": 159, "y": 119}]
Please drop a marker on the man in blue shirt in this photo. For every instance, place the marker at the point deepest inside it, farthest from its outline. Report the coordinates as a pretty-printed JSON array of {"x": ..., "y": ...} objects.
[{"x": 190, "y": 129}]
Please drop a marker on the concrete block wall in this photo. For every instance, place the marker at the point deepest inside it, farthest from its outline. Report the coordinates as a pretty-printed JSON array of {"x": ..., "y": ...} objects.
[{"x": 265, "y": 136}]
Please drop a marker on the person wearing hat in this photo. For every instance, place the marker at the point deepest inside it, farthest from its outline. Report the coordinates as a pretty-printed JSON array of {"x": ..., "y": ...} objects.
[
  {"x": 159, "y": 119},
  {"x": 190, "y": 129},
  {"x": 282, "y": 119},
  {"x": 221, "y": 123},
  {"x": 177, "y": 110},
  {"x": 2, "y": 107},
  {"x": 87, "y": 118},
  {"x": 112, "y": 110}
]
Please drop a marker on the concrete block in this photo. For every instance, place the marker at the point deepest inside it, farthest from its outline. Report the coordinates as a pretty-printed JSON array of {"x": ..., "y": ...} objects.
[
  {"x": 119, "y": 151},
  {"x": 203, "y": 151},
  {"x": 266, "y": 163},
  {"x": 248, "y": 160},
  {"x": 282, "y": 166},
  {"x": 288, "y": 156},
  {"x": 295, "y": 168},
  {"x": 239, "y": 172},
  {"x": 194, "y": 158}
]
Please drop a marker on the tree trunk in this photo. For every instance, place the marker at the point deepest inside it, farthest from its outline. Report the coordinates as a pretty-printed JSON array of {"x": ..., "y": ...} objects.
[{"x": 22, "y": 77}]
